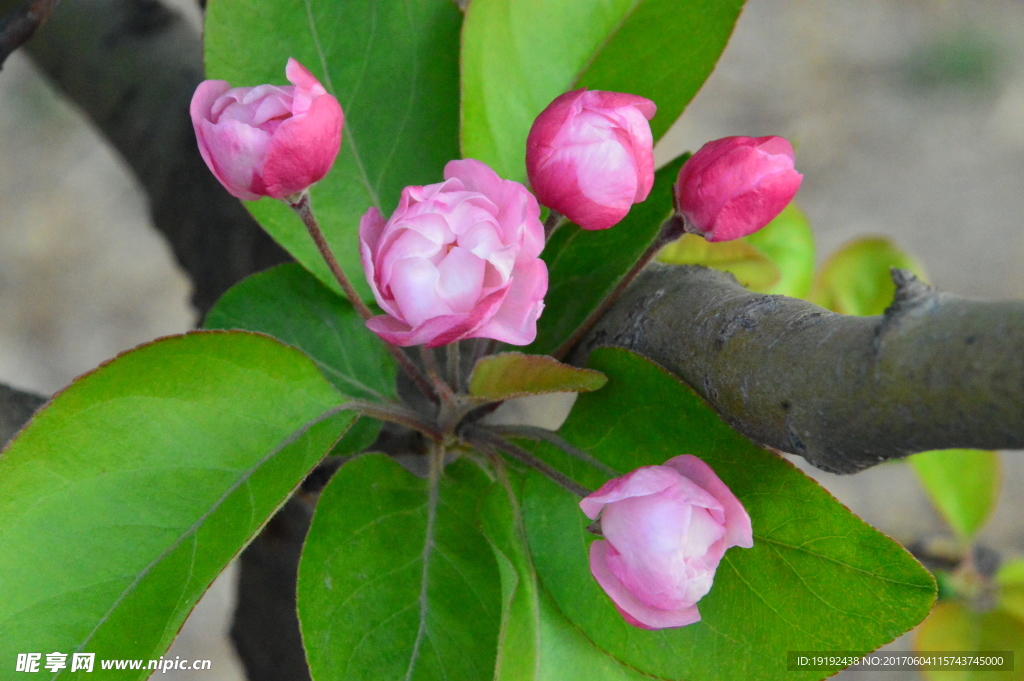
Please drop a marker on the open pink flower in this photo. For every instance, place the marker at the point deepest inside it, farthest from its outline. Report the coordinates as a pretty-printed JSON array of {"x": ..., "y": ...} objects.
[
  {"x": 590, "y": 155},
  {"x": 666, "y": 528},
  {"x": 734, "y": 186},
  {"x": 267, "y": 140},
  {"x": 457, "y": 259}
]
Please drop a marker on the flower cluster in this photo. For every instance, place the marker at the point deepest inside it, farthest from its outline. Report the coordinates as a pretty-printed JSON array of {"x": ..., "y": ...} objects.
[{"x": 461, "y": 259}]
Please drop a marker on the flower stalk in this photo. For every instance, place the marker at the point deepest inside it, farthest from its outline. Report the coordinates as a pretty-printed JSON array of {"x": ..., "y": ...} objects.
[
  {"x": 300, "y": 203},
  {"x": 671, "y": 229},
  {"x": 489, "y": 441}
]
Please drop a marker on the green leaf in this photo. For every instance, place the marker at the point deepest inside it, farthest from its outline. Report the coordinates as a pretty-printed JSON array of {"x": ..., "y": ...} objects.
[
  {"x": 393, "y": 67},
  {"x": 396, "y": 581},
  {"x": 789, "y": 243},
  {"x": 537, "y": 642},
  {"x": 751, "y": 268},
  {"x": 129, "y": 493},
  {"x": 518, "y": 55},
  {"x": 291, "y": 305},
  {"x": 962, "y": 483},
  {"x": 1010, "y": 579},
  {"x": 584, "y": 266},
  {"x": 953, "y": 627},
  {"x": 818, "y": 577},
  {"x": 855, "y": 280},
  {"x": 513, "y": 374}
]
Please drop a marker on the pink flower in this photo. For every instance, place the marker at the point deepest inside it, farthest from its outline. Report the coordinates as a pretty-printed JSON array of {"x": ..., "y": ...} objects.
[
  {"x": 267, "y": 140},
  {"x": 590, "y": 155},
  {"x": 734, "y": 186},
  {"x": 457, "y": 259},
  {"x": 667, "y": 527}
]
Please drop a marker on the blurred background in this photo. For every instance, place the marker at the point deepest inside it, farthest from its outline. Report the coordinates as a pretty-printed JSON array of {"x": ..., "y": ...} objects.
[{"x": 907, "y": 117}]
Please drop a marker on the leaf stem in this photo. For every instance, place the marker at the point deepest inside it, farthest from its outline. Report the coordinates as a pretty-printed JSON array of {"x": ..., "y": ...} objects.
[
  {"x": 395, "y": 414},
  {"x": 554, "y": 221},
  {"x": 453, "y": 354},
  {"x": 485, "y": 439},
  {"x": 670, "y": 230},
  {"x": 300, "y": 203},
  {"x": 551, "y": 437}
]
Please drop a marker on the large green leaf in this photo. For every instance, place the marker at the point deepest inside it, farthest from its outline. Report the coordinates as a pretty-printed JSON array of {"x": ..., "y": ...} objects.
[
  {"x": 518, "y": 55},
  {"x": 393, "y": 65},
  {"x": 962, "y": 483},
  {"x": 396, "y": 581},
  {"x": 584, "y": 266},
  {"x": 537, "y": 642},
  {"x": 289, "y": 304},
  {"x": 129, "y": 493},
  {"x": 818, "y": 577}
]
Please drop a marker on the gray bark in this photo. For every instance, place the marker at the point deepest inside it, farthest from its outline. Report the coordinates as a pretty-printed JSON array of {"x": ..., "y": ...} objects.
[
  {"x": 936, "y": 371},
  {"x": 16, "y": 408},
  {"x": 132, "y": 66}
]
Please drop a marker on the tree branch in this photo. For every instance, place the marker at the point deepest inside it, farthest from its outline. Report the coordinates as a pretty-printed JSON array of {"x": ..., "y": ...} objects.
[
  {"x": 936, "y": 371},
  {"x": 132, "y": 66},
  {"x": 17, "y": 26},
  {"x": 16, "y": 408}
]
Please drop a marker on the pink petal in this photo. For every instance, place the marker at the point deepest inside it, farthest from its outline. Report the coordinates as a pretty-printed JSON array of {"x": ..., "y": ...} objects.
[
  {"x": 413, "y": 286},
  {"x": 737, "y": 522},
  {"x": 605, "y": 99},
  {"x": 371, "y": 225},
  {"x": 307, "y": 89},
  {"x": 461, "y": 279},
  {"x": 751, "y": 211},
  {"x": 303, "y": 148},
  {"x": 642, "y": 481},
  {"x": 235, "y": 153},
  {"x": 515, "y": 322},
  {"x": 437, "y": 331},
  {"x": 205, "y": 95},
  {"x": 638, "y": 612}
]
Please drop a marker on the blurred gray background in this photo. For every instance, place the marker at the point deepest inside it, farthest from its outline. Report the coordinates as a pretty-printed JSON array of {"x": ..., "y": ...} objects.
[{"x": 907, "y": 116}]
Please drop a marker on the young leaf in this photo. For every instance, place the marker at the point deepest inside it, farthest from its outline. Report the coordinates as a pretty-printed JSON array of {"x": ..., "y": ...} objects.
[
  {"x": 855, "y": 279},
  {"x": 789, "y": 243},
  {"x": 393, "y": 67},
  {"x": 818, "y": 577},
  {"x": 584, "y": 266},
  {"x": 751, "y": 268},
  {"x": 962, "y": 483},
  {"x": 513, "y": 374},
  {"x": 129, "y": 493},
  {"x": 396, "y": 581},
  {"x": 518, "y": 55}
]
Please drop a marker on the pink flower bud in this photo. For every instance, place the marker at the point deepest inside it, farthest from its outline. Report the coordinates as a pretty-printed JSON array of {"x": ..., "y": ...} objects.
[
  {"x": 267, "y": 140},
  {"x": 590, "y": 155},
  {"x": 457, "y": 259},
  {"x": 666, "y": 529},
  {"x": 734, "y": 186}
]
